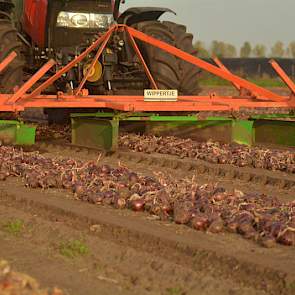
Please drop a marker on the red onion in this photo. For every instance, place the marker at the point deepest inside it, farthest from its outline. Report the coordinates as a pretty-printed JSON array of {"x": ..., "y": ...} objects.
[
  {"x": 137, "y": 205},
  {"x": 287, "y": 238},
  {"x": 216, "y": 226}
]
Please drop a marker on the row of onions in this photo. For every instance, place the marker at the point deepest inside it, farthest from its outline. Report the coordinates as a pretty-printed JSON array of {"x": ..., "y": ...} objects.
[{"x": 213, "y": 152}]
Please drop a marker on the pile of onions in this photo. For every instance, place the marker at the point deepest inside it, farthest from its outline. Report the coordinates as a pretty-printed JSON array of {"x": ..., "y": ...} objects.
[
  {"x": 54, "y": 131},
  {"x": 208, "y": 208},
  {"x": 213, "y": 152},
  {"x": 12, "y": 283}
]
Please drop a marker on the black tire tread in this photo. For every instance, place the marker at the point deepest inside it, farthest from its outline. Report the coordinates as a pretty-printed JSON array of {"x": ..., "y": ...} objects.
[
  {"x": 13, "y": 75},
  {"x": 184, "y": 41},
  {"x": 169, "y": 71},
  {"x": 162, "y": 66}
]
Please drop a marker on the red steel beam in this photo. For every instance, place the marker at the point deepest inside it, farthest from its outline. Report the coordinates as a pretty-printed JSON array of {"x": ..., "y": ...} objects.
[
  {"x": 260, "y": 92},
  {"x": 127, "y": 103},
  {"x": 97, "y": 56},
  {"x": 223, "y": 67},
  {"x": 283, "y": 75},
  {"x": 7, "y": 60},
  {"x": 24, "y": 88},
  {"x": 146, "y": 69},
  {"x": 129, "y": 100},
  {"x": 167, "y": 107},
  {"x": 70, "y": 64},
  {"x": 133, "y": 99}
]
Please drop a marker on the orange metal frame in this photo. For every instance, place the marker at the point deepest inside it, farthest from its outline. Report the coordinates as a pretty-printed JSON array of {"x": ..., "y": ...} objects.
[{"x": 251, "y": 95}]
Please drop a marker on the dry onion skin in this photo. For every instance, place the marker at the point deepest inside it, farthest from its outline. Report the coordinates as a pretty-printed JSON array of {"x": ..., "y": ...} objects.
[
  {"x": 15, "y": 283},
  {"x": 213, "y": 152},
  {"x": 208, "y": 207}
]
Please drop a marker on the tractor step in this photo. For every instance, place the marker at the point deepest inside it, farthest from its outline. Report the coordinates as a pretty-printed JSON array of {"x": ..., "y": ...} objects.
[{"x": 101, "y": 130}]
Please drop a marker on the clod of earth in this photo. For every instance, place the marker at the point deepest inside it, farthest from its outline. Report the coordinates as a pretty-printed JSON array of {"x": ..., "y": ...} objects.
[
  {"x": 12, "y": 283},
  {"x": 209, "y": 208}
]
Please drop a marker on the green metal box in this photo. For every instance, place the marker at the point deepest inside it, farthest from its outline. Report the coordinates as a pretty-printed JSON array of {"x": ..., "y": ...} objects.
[{"x": 17, "y": 133}]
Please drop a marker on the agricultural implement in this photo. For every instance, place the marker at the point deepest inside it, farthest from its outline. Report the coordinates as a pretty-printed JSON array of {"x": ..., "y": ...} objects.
[{"x": 267, "y": 116}]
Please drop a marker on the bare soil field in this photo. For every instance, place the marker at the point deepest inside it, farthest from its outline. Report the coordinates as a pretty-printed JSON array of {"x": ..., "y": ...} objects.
[
  {"x": 92, "y": 249},
  {"x": 130, "y": 253}
]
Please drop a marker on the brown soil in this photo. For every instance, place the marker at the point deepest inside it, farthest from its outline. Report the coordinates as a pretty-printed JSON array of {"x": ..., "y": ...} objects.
[
  {"x": 134, "y": 253},
  {"x": 12, "y": 283}
]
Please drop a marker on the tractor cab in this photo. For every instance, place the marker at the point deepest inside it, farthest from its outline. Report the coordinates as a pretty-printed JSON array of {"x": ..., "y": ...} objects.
[{"x": 59, "y": 24}]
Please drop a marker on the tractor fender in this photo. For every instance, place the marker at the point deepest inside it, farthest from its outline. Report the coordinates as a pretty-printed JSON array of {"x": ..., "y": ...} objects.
[{"x": 139, "y": 14}]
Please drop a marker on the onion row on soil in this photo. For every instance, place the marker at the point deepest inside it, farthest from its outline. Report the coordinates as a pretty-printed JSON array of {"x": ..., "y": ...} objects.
[
  {"x": 208, "y": 208},
  {"x": 14, "y": 283},
  {"x": 213, "y": 152}
]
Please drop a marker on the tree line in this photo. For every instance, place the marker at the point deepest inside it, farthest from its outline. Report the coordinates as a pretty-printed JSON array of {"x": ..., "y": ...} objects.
[{"x": 223, "y": 49}]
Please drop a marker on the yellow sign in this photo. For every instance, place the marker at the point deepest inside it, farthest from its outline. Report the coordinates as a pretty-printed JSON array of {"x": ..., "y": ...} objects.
[{"x": 160, "y": 95}]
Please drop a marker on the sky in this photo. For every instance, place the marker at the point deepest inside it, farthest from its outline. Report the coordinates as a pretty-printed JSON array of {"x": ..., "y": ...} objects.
[{"x": 232, "y": 21}]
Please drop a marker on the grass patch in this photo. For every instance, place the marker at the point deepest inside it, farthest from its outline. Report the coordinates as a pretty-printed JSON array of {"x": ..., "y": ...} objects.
[
  {"x": 175, "y": 291},
  {"x": 291, "y": 287},
  {"x": 73, "y": 249},
  {"x": 268, "y": 82},
  {"x": 263, "y": 82},
  {"x": 213, "y": 81},
  {"x": 14, "y": 227}
]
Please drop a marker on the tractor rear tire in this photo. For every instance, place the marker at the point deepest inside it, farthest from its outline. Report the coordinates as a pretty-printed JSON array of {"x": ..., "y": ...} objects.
[
  {"x": 170, "y": 72},
  {"x": 190, "y": 72},
  {"x": 12, "y": 75}
]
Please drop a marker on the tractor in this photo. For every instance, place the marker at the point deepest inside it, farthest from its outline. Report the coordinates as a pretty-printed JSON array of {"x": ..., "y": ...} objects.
[{"x": 39, "y": 30}]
